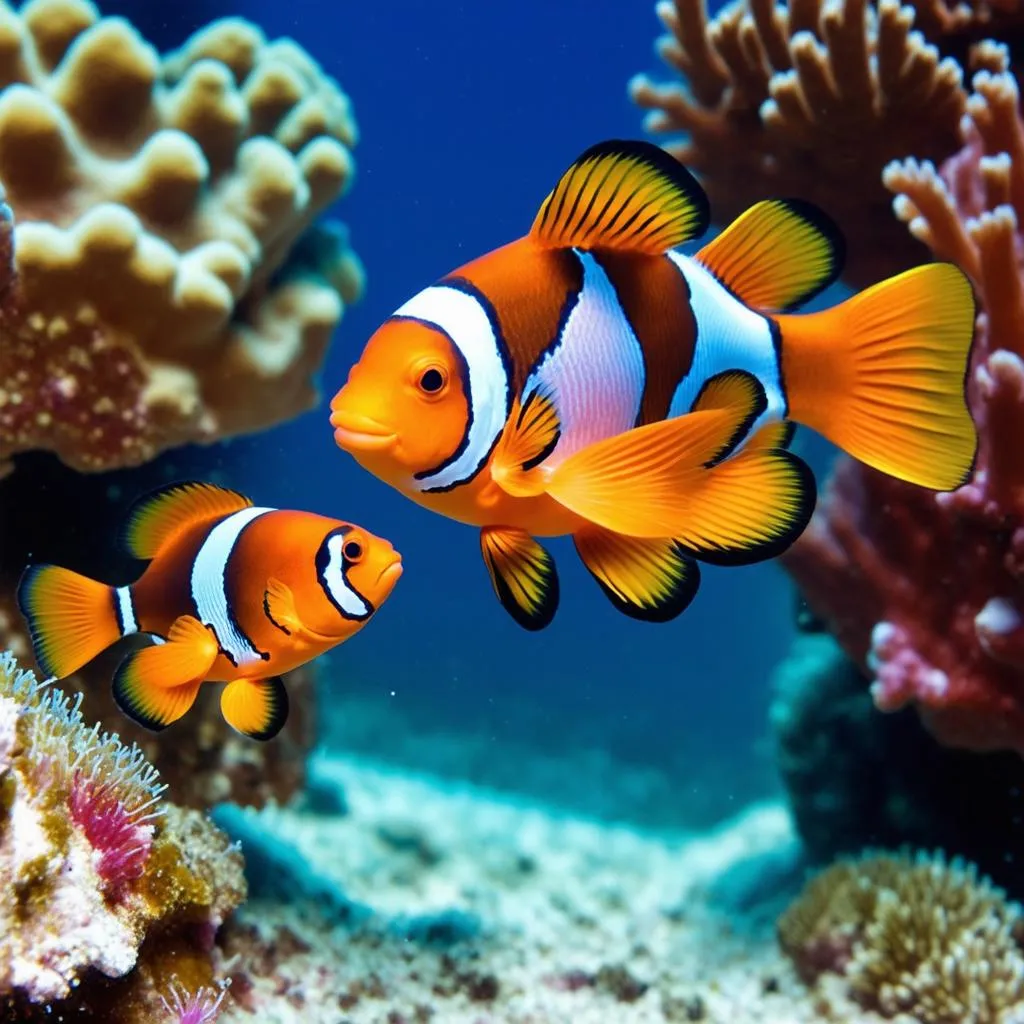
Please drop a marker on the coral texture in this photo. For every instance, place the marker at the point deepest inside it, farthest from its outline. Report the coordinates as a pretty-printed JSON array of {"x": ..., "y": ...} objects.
[
  {"x": 94, "y": 862},
  {"x": 911, "y": 935},
  {"x": 925, "y": 589},
  {"x": 809, "y": 99},
  {"x": 168, "y": 289}
]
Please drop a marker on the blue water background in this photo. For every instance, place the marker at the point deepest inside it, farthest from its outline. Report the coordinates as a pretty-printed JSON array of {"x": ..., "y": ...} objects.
[{"x": 468, "y": 113}]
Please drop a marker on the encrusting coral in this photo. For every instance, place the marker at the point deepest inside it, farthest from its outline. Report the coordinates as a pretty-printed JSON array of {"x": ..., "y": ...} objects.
[
  {"x": 923, "y": 589},
  {"x": 813, "y": 98},
  {"x": 98, "y": 870},
  {"x": 911, "y": 935},
  {"x": 157, "y": 205}
]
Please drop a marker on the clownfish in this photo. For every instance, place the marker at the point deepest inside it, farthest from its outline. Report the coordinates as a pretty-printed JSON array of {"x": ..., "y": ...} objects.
[
  {"x": 233, "y": 593},
  {"x": 588, "y": 379}
]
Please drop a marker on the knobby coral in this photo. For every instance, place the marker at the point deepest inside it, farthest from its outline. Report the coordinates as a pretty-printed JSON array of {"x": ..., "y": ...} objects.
[
  {"x": 911, "y": 935},
  {"x": 166, "y": 286},
  {"x": 94, "y": 862},
  {"x": 924, "y": 589},
  {"x": 810, "y": 99}
]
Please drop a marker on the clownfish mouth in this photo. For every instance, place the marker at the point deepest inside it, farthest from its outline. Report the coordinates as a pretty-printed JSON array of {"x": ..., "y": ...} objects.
[
  {"x": 353, "y": 432},
  {"x": 389, "y": 575}
]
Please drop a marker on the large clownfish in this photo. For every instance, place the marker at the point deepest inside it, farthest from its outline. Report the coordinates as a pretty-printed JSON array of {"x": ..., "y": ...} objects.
[
  {"x": 590, "y": 380},
  {"x": 233, "y": 593}
]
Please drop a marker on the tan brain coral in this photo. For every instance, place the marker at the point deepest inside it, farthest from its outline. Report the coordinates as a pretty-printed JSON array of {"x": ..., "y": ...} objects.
[{"x": 157, "y": 206}]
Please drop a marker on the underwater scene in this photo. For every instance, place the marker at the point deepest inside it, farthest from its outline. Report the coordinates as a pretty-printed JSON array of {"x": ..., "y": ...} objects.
[{"x": 512, "y": 514}]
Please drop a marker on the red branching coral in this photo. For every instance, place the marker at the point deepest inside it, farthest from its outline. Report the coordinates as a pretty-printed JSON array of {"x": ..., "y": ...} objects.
[
  {"x": 925, "y": 590},
  {"x": 120, "y": 835}
]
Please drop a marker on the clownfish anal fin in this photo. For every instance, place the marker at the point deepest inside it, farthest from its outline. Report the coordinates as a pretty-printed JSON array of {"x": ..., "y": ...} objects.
[
  {"x": 777, "y": 255},
  {"x": 773, "y": 435},
  {"x": 159, "y": 517},
  {"x": 623, "y": 196},
  {"x": 279, "y": 607},
  {"x": 647, "y": 579},
  {"x": 529, "y": 437},
  {"x": 523, "y": 575},
  {"x": 257, "y": 708},
  {"x": 157, "y": 685}
]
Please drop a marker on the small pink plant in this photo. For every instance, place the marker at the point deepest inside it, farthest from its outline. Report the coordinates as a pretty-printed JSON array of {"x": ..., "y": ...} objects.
[
  {"x": 121, "y": 836},
  {"x": 199, "y": 1007}
]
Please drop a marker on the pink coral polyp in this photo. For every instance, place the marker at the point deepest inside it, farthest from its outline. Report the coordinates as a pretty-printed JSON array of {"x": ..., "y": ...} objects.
[
  {"x": 122, "y": 839},
  {"x": 199, "y": 1007}
]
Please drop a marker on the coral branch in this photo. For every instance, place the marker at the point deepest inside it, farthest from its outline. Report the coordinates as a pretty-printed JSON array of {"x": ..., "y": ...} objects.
[
  {"x": 927, "y": 591},
  {"x": 811, "y": 99}
]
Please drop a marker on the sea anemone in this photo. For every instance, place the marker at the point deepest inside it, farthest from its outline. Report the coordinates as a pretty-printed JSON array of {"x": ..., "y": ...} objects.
[{"x": 199, "y": 1007}]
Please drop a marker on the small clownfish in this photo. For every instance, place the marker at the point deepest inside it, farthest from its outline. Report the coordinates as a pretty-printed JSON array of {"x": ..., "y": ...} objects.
[
  {"x": 590, "y": 380},
  {"x": 233, "y": 593}
]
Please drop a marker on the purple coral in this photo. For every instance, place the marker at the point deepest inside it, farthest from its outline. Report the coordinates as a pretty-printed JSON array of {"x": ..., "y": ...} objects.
[
  {"x": 199, "y": 1007},
  {"x": 121, "y": 836}
]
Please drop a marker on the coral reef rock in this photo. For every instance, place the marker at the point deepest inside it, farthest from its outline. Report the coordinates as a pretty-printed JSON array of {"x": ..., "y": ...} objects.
[
  {"x": 148, "y": 294},
  {"x": 96, "y": 865},
  {"x": 809, "y": 99},
  {"x": 856, "y": 777},
  {"x": 922, "y": 589},
  {"x": 916, "y": 936}
]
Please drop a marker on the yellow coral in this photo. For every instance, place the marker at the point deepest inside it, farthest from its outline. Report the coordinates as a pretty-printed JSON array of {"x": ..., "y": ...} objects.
[
  {"x": 917, "y": 935},
  {"x": 155, "y": 204}
]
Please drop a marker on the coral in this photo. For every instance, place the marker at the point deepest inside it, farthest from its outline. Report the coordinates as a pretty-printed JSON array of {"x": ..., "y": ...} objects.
[
  {"x": 156, "y": 203},
  {"x": 810, "y": 99},
  {"x": 924, "y": 589},
  {"x": 855, "y": 777},
  {"x": 911, "y": 935},
  {"x": 199, "y": 1007},
  {"x": 83, "y": 894}
]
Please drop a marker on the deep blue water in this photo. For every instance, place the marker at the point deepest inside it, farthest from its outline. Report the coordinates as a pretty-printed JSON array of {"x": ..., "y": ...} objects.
[{"x": 468, "y": 113}]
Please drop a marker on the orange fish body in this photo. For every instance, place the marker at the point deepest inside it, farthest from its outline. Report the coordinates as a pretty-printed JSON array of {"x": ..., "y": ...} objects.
[
  {"x": 233, "y": 593},
  {"x": 589, "y": 379}
]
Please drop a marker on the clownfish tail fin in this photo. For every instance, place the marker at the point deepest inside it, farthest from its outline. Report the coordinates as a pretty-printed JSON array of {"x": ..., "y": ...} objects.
[
  {"x": 71, "y": 618},
  {"x": 883, "y": 375}
]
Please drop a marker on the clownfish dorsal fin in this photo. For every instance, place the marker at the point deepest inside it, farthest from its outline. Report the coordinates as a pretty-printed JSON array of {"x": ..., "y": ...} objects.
[
  {"x": 623, "y": 196},
  {"x": 529, "y": 437},
  {"x": 523, "y": 575},
  {"x": 257, "y": 708},
  {"x": 777, "y": 255},
  {"x": 159, "y": 517},
  {"x": 279, "y": 607}
]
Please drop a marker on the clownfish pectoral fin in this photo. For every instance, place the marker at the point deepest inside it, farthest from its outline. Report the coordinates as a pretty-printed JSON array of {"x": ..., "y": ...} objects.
[
  {"x": 279, "y": 607},
  {"x": 523, "y": 575},
  {"x": 624, "y": 196},
  {"x": 645, "y": 578},
  {"x": 732, "y": 390},
  {"x": 664, "y": 480},
  {"x": 529, "y": 437},
  {"x": 158, "y": 517},
  {"x": 777, "y": 255},
  {"x": 157, "y": 685},
  {"x": 257, "y": 708},
  {"x": 883, "y": 375},
  {"x": 70, "y": 617}
]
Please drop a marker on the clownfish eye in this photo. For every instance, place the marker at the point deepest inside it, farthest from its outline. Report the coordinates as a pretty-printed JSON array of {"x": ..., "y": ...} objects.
[
  {"x": 352, "y": 551},
  {"x": 432, "y": 380}
]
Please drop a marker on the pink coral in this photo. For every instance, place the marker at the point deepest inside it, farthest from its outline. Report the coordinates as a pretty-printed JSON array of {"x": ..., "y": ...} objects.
[
  {"x": 925, "y": 590},
  {"x": 121, "y": 836},
  {"x": 199, "y": 1007}
]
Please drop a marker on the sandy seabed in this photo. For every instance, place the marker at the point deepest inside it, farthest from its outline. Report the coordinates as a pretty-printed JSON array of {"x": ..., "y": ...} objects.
[{"x": 467, "y": 907}]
